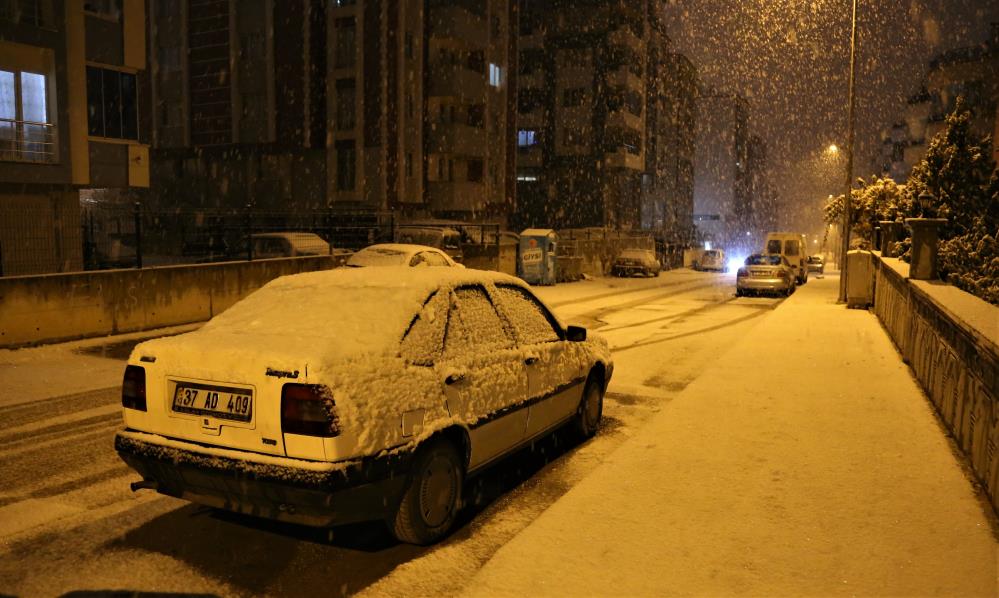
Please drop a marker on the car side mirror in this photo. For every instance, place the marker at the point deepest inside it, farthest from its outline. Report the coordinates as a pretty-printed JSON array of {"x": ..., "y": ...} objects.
[{"x": 576, "y": 334}]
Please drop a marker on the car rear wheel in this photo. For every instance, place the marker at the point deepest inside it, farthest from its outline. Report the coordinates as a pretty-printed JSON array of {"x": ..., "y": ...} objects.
[
  {"x": 590, "y": 409},
  {"x": 432, "y": 497}
]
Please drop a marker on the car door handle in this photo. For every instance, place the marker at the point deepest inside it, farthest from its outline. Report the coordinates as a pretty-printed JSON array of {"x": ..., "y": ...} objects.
[
  {"x": 454, "y": 377},
  {"x": 533, "y": 359}
]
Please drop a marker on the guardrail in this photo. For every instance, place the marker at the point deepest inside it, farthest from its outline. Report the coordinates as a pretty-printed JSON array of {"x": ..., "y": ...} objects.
[{"x": 953, "y": 355}]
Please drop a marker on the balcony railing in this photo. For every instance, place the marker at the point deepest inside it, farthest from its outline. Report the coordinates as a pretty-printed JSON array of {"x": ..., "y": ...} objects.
[{"x": 26, "y": 141}]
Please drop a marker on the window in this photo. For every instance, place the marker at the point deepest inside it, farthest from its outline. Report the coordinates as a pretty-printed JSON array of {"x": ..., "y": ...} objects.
[
  {"x": 38, "y": 13},
  {"x": 474, "y": 326},
  {"x": 791, "y": 247},
  {"x": 475, "y": 169},
  {"x": 111, "y": 104},
  {"x": 424, "y": 340},
  {"x": 409, "y": 45},
  {"x": 26, "y": 135},
  {"x": 108, "y": 9},
  {"x": 530, "y": 320},
  {"x": 773, "y": 246},
  {"x": 409, "y": 165},
  {"x": 346, "y": 161},
  {"x": 477, "y": 115},
  {"x": 346, "y": 44},
  {"x": 573, "y": 97},
  {"x": 345, "y": 104},
  {"x": 495, "y": 75},
  {"x": 527, "y": 138}
]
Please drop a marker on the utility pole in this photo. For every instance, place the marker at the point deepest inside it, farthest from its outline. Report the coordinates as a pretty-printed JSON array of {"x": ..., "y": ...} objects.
[{"x": 849, "y": 158}]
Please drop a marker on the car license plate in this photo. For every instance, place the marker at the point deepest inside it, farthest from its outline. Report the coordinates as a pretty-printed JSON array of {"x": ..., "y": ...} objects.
[
  {"x": 233, "y": 404},
  {"x": 762, "y": 274}
]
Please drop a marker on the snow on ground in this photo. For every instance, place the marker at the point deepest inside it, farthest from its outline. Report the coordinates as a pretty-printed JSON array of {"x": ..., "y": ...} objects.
[{"x": 805, "y": 461}]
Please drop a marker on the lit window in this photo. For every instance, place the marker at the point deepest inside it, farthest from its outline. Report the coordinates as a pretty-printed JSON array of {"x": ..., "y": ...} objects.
[
  {"x": 495, "y": 75},
  {"x": 26, "y": 135},
  {"x": 527, "y": 138}
]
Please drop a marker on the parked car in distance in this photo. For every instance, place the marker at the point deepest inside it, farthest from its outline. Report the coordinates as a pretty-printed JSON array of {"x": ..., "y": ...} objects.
[
  {"x": 713, "y": 259},
  {"x": 288, "y": 244},
  {"x": 399, "y": 254},
  {"x": 792, "y": 246},
  {"x": 765, "y": 273},
  {"x": 353, "y": 394},
  {"x": 636, "y": 261},
  {"x": 816, "y": 263},
  {"x": 444, "y": 238}
]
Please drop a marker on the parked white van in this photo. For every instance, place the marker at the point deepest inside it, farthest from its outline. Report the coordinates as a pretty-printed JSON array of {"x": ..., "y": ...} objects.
[{"x": 791, "y": 246}]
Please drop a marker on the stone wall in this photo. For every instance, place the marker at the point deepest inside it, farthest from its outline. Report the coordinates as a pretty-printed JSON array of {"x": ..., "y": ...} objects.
[
  {"x": 57, "y": 307},
  {"x": 949, "y": 339}
]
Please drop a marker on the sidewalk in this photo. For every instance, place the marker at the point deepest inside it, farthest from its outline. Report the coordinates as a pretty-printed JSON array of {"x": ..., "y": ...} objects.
[{"x": 806, "y": 461}]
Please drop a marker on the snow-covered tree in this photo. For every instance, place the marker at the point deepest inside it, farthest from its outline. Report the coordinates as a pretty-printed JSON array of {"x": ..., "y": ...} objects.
[
  {"x": 958, "y": 171},
  {"x": 881, "y": 199}
]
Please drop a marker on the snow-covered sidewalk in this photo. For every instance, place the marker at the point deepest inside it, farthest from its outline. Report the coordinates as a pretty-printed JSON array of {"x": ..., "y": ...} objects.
[{"x": 806, "y": 461}]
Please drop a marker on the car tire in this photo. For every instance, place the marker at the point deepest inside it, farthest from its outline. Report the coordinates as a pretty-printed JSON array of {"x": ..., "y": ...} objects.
[
  {"x": 432, "y": 496},
  {"x": 739, "y": 293},
  {"x": 591, "y": 408}
]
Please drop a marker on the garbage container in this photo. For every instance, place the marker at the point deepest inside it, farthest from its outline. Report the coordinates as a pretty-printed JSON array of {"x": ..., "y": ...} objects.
[
  {"x": 860, "y": 278},
  {"x": 536, "y": 264}
]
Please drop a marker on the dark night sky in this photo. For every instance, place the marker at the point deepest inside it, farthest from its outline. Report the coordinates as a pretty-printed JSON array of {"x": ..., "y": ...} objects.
[{"x": 790, "y": 58}]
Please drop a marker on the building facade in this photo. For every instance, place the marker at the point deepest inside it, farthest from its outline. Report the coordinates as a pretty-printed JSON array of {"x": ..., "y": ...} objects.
[
  {"x": 366, "y": 105},
  {"x": 72, "y": 119},
  {"x": 596, "y": 122},
  {"x": 723, "y": 211},
  {"x": 970, "y": 73}
]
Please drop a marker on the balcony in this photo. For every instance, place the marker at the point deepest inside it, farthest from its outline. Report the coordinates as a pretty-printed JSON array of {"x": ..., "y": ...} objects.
[
  {"x": 622, "y": 119},
  {"x": 457, "y": 139},
  {"x": 626, "y": 37},
  {"x": 456, "y": 81},
  {"x": 626, "y": 79},
  {"x": 530, "y": 157},
  {"x": 23, "y": 141},
  {"x": 623, "y": 158},
  {"x": 456, "y": 196},
  {"x": 455, "y": 22}
]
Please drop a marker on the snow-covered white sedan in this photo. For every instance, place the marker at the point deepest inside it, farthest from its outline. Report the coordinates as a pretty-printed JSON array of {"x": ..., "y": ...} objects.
[
  {"x": 400, "y": 254},
  {"x": 357, "y": 394}
]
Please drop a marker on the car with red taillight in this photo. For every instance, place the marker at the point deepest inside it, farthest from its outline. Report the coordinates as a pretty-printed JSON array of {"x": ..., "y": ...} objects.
[
  {"x": 357, "y": 394},
  {"x": 765, "y": 273}
]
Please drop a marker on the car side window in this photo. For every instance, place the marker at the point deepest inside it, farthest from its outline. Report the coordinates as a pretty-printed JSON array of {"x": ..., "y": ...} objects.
[
  {"x": 528, "y": 317},
  {"x": 791, "y": 247},
  {"x": 434, "y": 259},
  {"x": 418, "y": 260},
  {"x": 773, "y": 246},
  {"x": 473, "y": 325},
  {"x": 424, "y": 341}
]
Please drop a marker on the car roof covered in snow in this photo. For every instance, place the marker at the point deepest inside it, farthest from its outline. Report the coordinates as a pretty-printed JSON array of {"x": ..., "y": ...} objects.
[{"x": 324, "y": 316}]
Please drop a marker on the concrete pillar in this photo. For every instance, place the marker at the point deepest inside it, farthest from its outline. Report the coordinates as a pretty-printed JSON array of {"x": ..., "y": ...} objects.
[
  {"x": 889, "y": 237},
  {"x": 924, "y": 247}
]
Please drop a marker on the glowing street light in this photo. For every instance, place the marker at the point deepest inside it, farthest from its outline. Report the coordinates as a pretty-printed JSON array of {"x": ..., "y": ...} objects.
[{"x": 833, "y": 148}]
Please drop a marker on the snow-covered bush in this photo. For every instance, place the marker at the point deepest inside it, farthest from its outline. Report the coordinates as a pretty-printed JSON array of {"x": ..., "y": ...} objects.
[
  {"x": 881, "y": 199},
  {"x": 959, "y": 173}
]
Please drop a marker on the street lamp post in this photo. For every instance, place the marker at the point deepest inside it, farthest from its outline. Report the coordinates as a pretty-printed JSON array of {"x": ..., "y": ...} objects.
[{"x": 849, "y": 157}]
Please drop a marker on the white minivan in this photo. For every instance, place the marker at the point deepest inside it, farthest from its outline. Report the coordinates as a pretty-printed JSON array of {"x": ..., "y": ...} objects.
[{"x": 791, "y": 246}]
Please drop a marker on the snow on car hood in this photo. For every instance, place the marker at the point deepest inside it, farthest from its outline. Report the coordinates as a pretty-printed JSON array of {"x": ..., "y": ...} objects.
[{"x": 317, "y": 317}]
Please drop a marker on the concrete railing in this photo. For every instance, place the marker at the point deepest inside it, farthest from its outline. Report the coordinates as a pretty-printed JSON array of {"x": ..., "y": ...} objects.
[
  {"x": 949, "y": 338},
  {"x": 58, "y": 307}
]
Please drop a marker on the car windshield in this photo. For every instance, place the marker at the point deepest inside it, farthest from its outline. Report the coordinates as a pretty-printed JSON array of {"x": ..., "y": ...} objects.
[{"x": 763, "y": 260}]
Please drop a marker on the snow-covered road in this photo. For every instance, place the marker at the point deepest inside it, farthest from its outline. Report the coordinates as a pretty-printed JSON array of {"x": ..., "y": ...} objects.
[{"x": 69, "y": 522}]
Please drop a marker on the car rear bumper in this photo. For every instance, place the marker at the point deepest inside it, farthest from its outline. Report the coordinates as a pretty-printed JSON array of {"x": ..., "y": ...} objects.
[
  {"x": 762, "y": 284},
  {"x": 272, "y": 487}
]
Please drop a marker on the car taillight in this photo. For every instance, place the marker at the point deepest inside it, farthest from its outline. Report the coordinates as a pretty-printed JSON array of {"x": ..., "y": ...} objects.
[
  {"x": 308, "y": 409},
  {"x": 133, "y": 388},
  {"x": 742, "y": 272}
]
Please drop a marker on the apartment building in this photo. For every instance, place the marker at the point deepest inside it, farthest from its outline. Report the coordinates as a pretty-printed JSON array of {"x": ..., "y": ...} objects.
[
  {"x": 722, "y": 185},
  {"x": 365, "y": 105},
  {"x": 970, "y": 73},
  {"x": 597, "y": 125},
  {"x": 72, "y": 118}
]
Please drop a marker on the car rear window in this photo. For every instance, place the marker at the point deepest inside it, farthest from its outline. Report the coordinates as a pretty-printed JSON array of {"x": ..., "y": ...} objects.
[
  {"x": 763, "y": 260},
  {"x": 424, "y": 341}
]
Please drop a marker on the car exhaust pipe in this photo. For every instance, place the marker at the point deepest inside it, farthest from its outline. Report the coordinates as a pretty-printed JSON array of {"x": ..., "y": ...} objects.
[{"x": 144, "y": 485}]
